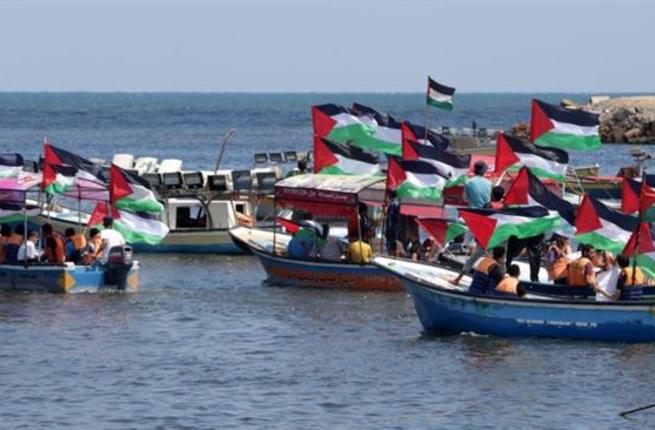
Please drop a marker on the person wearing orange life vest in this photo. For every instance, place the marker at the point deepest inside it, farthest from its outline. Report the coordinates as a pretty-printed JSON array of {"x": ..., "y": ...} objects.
[
  {"x": 631, "y": 281},
  {"x": 488, "y": 272},
  {"x": 13, "y": 243},
  {"x": 74, "y": 246},
  {"x": 581, "y": 272},
  {"x": 92, "y": 251},
  {"x": 510, "y": 284},
  {"x": 5, "y": 233},
  {"x": 54, "y": 245},
  {"x": 557, "y": 261}
]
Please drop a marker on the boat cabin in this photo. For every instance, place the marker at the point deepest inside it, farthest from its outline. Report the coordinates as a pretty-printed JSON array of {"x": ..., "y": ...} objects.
[{"x": 188, "y": 213}]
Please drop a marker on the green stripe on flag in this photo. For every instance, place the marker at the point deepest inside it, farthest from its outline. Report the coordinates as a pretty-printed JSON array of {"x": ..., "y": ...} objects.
[
  {"x": 407, "y": 189},
  {"x": 539, "y": 172},
  {"x": 454, "y": 230},
  {"x": 143, "y": 205},
  {"x": 600, "y": 241},
  {"x": 569, "y": 141},
  {"x": 440, "y": 104},
  {"x": 522, "y": 230}
]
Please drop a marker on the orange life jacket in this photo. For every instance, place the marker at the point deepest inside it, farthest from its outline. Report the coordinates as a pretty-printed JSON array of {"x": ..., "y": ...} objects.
[
  {"x": 576, "y": 272},
  {"x": 79, "y": 242},
  {"x": 485, "y": 265},
  {"x": 508, "y": 285},
  {"x": 559, "y": 268},
  {"x": 15, "y": 239},
  {"x": 93, "y": 254},
  {"x": 56, "y": 254},
  {"x": 638, "y": 277}
]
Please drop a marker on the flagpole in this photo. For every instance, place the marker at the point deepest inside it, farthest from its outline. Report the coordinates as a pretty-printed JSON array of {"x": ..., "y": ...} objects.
[{"x": 427, "y": 119}]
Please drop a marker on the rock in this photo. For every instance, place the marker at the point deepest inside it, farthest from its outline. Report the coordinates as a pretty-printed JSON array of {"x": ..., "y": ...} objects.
[
  {"x": 632, "y": 134},
  {"x": 569, "y": 104}
]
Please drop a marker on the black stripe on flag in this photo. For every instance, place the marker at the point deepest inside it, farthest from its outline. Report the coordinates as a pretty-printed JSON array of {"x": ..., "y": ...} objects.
[
  {"x": 552, "y": 154},
  {"x": 432, "y": 153},
  {"x": 569, "y": 116},
  {"x": 331, "y": 109},
  {"x": 437, "y": 140},
  {"x": 625, "y": 222},
  {"x": 133, "y": 178},
  {"x": 383, "y": 119},
  {"x": 542, "y": 195},
  {"x": 440, "y": 88},
  {"x": 420, "y": 167},
  {"x": 351, "y": 152},
  {"x": 524, "y": 211},
  {"x": 11, "y": 159}
]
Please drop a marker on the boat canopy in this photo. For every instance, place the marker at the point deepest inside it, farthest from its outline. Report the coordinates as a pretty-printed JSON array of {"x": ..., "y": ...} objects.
[
  {"x": 330, "y": 195},
  {"x": 14, "y": 189}
]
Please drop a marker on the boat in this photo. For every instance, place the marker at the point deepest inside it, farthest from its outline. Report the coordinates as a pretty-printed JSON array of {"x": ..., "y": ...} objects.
[
  {"x": 327, "y": 197},
  {"x": 444, "y": 308}
]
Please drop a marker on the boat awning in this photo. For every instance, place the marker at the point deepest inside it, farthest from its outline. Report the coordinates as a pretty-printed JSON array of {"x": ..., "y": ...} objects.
[
  {"x": 13, "y": 190},
  {"x": 329, "y": 195}
]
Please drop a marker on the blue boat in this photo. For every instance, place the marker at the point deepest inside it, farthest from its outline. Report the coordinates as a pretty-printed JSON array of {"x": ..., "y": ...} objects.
[{"x": 444, "y": 308}]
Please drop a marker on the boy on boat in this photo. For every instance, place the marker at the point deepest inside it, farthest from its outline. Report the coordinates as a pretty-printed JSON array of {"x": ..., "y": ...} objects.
[
  {"x": 5, "y": 233},
  {"x": 54, "y": 245},
  {"x": 110, "y": 239},
  {"x": 27, "y": 252},
  {"x": 557, "y": 260},
  {"x": 489, "y": 272},
  {"x": 75, "y": 245},
  {"x": 581, "y": 272},
  {"x": 510, "y": 283},
  {"x": 359, "y": 252},
  {"x": 629, "y": 284}
]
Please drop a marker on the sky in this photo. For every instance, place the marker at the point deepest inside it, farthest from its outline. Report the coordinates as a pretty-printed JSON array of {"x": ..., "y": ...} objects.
[{"x": 327, "y": 46}]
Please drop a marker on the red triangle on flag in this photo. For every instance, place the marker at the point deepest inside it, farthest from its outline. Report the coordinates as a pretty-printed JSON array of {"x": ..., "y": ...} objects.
[
  {"x": 481, "y": 227},
  {"x": 323, "y": 157},
  {"x": 629, "y": 199},
  {"x": 407, "y": 132},
  {"x": 50, "y": 159},
  {"x": 518, "y": 193},
  {"x": 646, "y": 197},
  {"x": 323, "y": 123},
  {"x": 540, "y": 123},
  {"x": 119, "y": 186},
  {"x": 645, "y": 241},
  {"x": 505, "y": 156},
  {"x": 586, "y": 220},
  {"x": 436, "y": 228},
  {"x": 409, "y": 153},
  {"x": 395, "y": 174}
]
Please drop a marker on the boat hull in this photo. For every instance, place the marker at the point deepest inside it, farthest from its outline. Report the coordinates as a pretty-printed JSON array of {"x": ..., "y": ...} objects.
[
  {"x": 444, "y": 310},
  {"x": 61, "y": 278}
]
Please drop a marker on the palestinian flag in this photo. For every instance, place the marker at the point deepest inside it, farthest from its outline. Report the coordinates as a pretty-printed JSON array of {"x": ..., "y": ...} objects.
[
  {"x": 417, "y": 134},
  {"x": 135, "y": 227},
  {"x": 568, "y": 129},
  {"x": 442, "y": 230},
  {"x": 131, "y": 193},
  {"x": 630, "y": 190},
  {"x": 492, "y": 228},
  {"x": 294, "y": 227},
  {"x": 416, "y": 179},
  {"x": 528, "y": 190},
  {"x": 11, "y": 164},
  {"x": 439, "y": 95},
  {"x": 386, "y": 135},
  {"x": 13, "y": 213},
  {"x": 336, "y": 159},
  {"x": 512, "y": 153},
  {"x": 644, "y": 251},
  {"x": 69, "y": 174},
  {"x": 602, "y": 227},
  {"x": 454, "y": 166},
  {"x": 338, "y": 124}
]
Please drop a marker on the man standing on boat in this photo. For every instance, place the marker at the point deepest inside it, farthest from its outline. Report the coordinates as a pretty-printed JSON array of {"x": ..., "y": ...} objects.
[{"x": 110, "y": 238}]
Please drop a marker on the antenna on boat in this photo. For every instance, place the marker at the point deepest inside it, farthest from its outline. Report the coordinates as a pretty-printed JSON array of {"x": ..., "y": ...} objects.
[{"x": 226, "y": 137}]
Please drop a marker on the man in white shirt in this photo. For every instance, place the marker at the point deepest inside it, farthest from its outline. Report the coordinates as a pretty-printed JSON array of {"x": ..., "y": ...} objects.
[
  {"x": 27, "y": 250},
  {"x": 110, "y": 238}
]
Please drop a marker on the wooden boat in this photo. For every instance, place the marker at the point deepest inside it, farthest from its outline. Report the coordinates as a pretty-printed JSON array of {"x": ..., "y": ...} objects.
[{"x": 442, "y": 307}]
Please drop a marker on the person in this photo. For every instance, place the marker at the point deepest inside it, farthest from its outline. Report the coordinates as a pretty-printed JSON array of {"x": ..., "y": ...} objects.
[
  {"x": 27, "y": 251},
  {"x": 5, "y": 234},
  {"x": 510, "y": 283},
  {"x": 331, "y": 249},
  {"x": 91, "y": 252},
  {"x": 603, "y": 260},
  {"x": 534, "y": 247},
  {"x": 477, "y": 190},
  {"x": 391, "y": 223},
  {"x": 54, "y": 245},
  {"x": 414, "y": 248},
  {"x": 497, "y": 196},
  {"x": 303, "y": 243},
  {"x": 110, "y": 238},
  {"x": 630, "y": 285},
  {"x": 557, "y": 261},
  {"x": 74, "y": 246},
  {"x": 302, "y": 166},
  {"x": 365, "y": 223},
  {"x": 488, "y": 272},
  {"x": 13, "y": 243},
  {"x": 474, "y": 126},
  {"x": 581, "y": 271},
  {"x": 359, "y": 252}
]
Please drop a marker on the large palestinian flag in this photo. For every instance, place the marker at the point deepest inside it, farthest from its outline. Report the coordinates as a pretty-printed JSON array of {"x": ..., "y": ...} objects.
[
  {"x": 602, "y": 227},
  {"x": 132, "y": 193},
  {"x": 641, "y": 246},
  {"x": 454, "y": 166},
  {"x": 439, "y": 96},
  {"x": 528, "y": 190},
  {"x": 340, "y": 125},
  {"x": 512, "y": 153},
  {"x": 415, "y": 179},
  {"x": 135, "y": 227},
  {"x": 492, "y": 228},
  {"x": 442, "y": 230},
  {"x": 386, "y": 135},
  {"x": 69, "y": 174},
  {"x": 417, "y": 133},
  {"x": 337, "y": 159},
  {"x": 568, "y": 129},
  {"x": 11, "y": 164}
]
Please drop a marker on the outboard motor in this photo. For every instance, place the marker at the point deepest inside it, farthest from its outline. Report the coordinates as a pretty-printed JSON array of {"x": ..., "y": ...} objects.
[{"x": 119, "y": 263}]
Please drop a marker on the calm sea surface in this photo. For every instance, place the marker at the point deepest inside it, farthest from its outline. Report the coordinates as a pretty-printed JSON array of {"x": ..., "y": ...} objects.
[{"x": 206, "y": 343}]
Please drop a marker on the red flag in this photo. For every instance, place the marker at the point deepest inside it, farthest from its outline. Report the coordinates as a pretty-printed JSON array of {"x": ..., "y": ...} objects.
[
  {"x": 291, "y": 226},
  {"x": 646, "y": 197},
  {"x": 505, "y": 156},
  {"x": 645, "y": 241},
  {"x": 99, "y": 213},
  {"x": 437, "y": 228},
  {"x": 630, "y": 190},
  {"x": 587, "y": 219}
]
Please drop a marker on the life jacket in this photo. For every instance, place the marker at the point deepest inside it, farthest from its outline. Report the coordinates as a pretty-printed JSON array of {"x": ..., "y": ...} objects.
[
  {"x": 11, "y": 248},
  {"x": 92, "y": 250},
  {"x": 508, "y": 286},
  {"x": 79, "y": 244},
  {"x": 481, "y": 282},
  {"x": 633, "y": 290},
  {"x": 3, "y": 242},
  {"x": 558, "y": 269},
  {"x": 55, "y": 254},
  {"x": 576, "y": 272}
]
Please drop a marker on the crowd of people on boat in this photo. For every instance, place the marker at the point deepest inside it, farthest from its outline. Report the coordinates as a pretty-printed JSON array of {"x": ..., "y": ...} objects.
[{"x": 20, "y": 247}]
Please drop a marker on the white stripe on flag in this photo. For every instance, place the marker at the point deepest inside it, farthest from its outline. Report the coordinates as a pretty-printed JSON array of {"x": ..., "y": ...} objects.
[
  {"x": 356, "y": 167},
  {"x": 573, "y": 129},
  {"x": 346, "y": 119},
  {"x": 435, "y": 95},
  {"x": 425, "y": 180},
  {"x": 532, "y": 160}
]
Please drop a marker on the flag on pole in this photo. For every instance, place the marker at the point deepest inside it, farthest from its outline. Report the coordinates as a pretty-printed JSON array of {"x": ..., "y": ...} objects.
[
  {"x": 644, "y": 251},
  {"x": 602, "y": 227},
  {"x": 440, "y": 96},
  {"x": 417, "y": 134},
  {"x": 455, "y": 166},
  {"x": 568, "y": 129},
  {"x": 11, "y": 164},
  {"x": 492, "y": 228},
  {"x": 71, "y": 175},
  {"x": 416, "y": 179},
  {"x": 131, "y": 192},
  {"x": 337, "y": 159},
  {"x": 442, "y": 230},
  {"x": 135, "y": 227},
  {"x": 386, "y": 135},
  {"x": 512, "y": 153}
]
